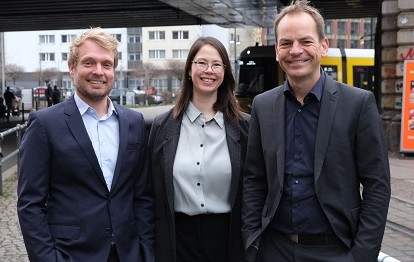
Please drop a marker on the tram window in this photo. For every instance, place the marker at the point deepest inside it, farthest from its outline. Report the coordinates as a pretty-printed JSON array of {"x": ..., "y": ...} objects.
[
  {"x": 363, "y": 77},
  {"x": 257, "y": 76},
  {"x": 332, "y": 71}
]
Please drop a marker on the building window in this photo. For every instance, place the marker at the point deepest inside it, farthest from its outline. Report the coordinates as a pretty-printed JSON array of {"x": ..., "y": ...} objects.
[
  {"x": 328, "y": 27},
  {"x": 341, "y": 43},
  {"x": 180, "y": 53},
  {"x": 134, "y": 56},
  {"x": 156, "y": 35},
  {"x": 341, "y": 27},
  {"x": 354, "y": 28},
  {"x": 117, "y": 36},
  {"x": 67, "y": 84},
  {"x": 354, "y": 43},
  {"x": 175, "y": 84},
  {"x": 160, "y": 83},
  {"x": 134, "y": 39},
  {"x": 180, "y": 34},
  {"x": 68, "y": 38},
  {"x": 135, "y": 83},
  {"x": 156, "y": 54},
  {"x": 64, "y": 56},
  {"x": 46, "y": 39},
  {"x": 47, "y": 56}
]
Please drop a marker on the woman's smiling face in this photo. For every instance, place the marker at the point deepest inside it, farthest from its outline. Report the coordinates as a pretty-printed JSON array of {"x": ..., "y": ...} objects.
[{"x": 206, "y": 81}]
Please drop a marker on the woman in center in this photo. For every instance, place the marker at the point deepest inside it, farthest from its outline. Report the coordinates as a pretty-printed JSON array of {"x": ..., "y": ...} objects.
[{"x": 197, "y": 152}]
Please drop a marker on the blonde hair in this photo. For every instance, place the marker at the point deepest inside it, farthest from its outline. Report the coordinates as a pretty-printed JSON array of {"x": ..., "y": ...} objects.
[{"x": 100, "y": 36}]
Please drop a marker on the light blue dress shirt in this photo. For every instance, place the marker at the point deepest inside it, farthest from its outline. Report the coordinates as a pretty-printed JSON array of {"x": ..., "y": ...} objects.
[
  {"x": 104, "y": 135},
  {"x": 202, "y": 168}
]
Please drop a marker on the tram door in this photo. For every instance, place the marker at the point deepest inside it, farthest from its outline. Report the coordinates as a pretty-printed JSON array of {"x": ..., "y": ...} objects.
[{"x": 364, "y": 77}]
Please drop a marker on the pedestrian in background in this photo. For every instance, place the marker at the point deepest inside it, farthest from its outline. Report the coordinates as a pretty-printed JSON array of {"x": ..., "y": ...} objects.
[
  {"x": 312, "y": 143},
  {"x": 84, "y": 189},
  {"x": 3, "y": 109},
  {"x": 55, "y": 95},
  {"x": 197, "y": 152},
  {"x": 9, "y": 97},
  {"x": 48, "y": 95}
]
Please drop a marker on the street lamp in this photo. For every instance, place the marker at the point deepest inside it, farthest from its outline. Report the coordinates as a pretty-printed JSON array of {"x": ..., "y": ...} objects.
[
  {"x": 363, "y": 38},
  {"x": 235, "y": 40},
  {"x": 3, "y": 63}
]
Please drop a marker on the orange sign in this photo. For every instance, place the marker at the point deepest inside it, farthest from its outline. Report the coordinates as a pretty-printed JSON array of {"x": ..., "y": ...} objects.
[{"x": 407, "y": 116}]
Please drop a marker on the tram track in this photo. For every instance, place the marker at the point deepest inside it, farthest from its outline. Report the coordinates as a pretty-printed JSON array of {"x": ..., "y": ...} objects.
[{"x": 402, "y": 216}]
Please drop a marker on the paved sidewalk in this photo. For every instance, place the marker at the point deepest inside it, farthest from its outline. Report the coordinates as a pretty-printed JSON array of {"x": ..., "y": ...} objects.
[
  {"x": 395, "y": 244},
  {"x": 401, "y": 211},
  {"x": 11, "y": 241}
]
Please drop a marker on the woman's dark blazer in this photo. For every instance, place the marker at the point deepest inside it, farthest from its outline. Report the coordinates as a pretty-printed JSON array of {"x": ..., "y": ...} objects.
[{"x": 163, "y": 141}]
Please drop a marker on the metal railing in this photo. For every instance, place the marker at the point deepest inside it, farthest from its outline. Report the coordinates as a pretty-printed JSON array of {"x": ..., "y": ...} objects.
[{"x": 18, "y": 131}]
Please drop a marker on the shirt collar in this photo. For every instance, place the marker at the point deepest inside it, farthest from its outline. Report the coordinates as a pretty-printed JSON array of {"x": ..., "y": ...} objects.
[
  {"x": 83, "y": 106},
  {"x": 316, "y": 89},
  {"x": 193, "y": 114}
]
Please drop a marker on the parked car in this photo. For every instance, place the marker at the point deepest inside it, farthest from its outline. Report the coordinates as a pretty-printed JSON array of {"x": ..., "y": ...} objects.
[
  {"x": 39, "y": 91},
  {"x": 143, "y": 98},
  {"x": 156, "y": 99},
  {"x": 115, "y": 95}
]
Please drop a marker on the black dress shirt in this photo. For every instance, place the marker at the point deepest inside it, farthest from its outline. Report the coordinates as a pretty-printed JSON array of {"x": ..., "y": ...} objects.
[{"x": 299, "y": 210}]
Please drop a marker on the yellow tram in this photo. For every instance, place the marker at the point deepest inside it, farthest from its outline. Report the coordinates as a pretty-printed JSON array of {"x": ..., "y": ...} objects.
[{"x": 258, "y": 70}]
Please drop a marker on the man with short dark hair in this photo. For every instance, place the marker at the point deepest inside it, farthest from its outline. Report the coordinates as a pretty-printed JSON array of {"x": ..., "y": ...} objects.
[{"x": 312, "y": 143}]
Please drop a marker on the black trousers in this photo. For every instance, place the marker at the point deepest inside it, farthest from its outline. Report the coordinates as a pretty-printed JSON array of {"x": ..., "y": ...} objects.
[
  {"x": 202, "y": 238},
  {"x": 276, "y": 247}
]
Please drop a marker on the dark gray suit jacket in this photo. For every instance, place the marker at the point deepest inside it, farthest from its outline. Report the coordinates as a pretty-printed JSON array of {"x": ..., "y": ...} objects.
[
  {"x": 162, "y": 148},
  {"x": 350, "y": 150},
  {"x": 65, "y": 209}
]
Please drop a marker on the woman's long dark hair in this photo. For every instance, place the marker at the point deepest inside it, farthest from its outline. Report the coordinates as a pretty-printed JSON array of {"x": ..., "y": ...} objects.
[{"x": 226, "y": 100}]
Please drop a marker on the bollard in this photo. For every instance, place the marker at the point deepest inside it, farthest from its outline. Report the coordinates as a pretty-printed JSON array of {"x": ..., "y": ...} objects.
[{"x": 382, "y": 257}]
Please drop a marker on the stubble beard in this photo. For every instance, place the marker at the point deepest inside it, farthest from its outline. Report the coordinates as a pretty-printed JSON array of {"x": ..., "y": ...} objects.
[{"x": 93, "y": 95}]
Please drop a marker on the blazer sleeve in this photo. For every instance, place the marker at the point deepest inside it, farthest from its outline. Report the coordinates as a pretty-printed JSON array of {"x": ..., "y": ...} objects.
[
  {"x": 254, "y": 185},
  {"x": 32, "y": 191},
  {"x": 374, "y": 174},
  {"x": 144, "y": 202}
]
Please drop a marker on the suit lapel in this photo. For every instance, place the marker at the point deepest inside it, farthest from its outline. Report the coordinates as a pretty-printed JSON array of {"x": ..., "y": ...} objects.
[
  {"x": 172, "y": 135},
  {"x": 77, "y": 128},
  {"x": 233, "y": 144},
  {"x": 327, "y": 111},
  {"x": 278, "y": 114},
  {"x": 123, "y": 137}
]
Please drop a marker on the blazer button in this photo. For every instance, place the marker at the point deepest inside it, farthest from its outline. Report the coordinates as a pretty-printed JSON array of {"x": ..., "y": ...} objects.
[{"x": 108, "y": 231}]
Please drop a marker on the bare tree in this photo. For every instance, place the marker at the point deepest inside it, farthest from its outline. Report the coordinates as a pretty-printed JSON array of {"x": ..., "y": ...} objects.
[
  {"x": 175, "y": 68},
  {"x": 14, "y": 72},
  {"x": 47, "y": 74},
  {"x": 146, "y": 72}
]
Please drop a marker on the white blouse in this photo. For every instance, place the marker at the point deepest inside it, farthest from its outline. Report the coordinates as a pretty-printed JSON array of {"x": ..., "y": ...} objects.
[{"x": 202, "y": 168}]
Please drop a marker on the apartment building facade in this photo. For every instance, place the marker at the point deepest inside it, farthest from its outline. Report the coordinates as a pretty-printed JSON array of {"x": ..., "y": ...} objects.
[{"x": 43, "y": 54}]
